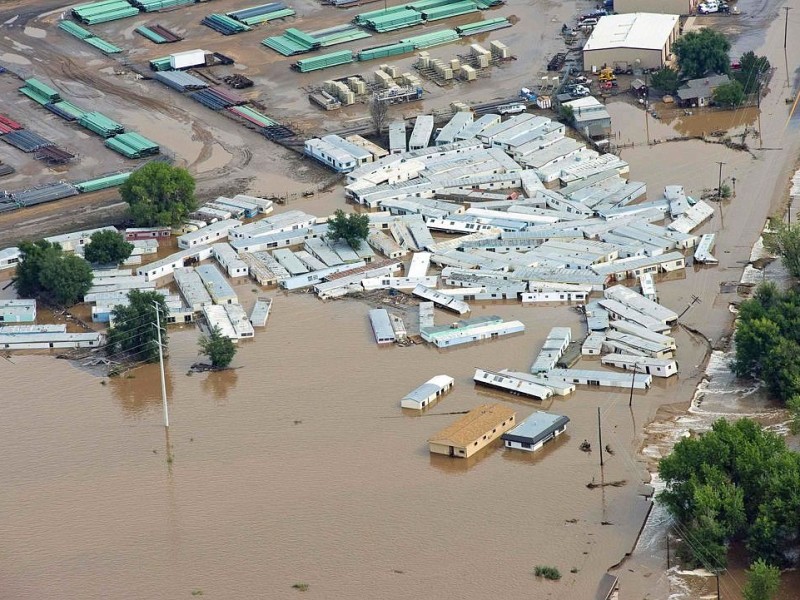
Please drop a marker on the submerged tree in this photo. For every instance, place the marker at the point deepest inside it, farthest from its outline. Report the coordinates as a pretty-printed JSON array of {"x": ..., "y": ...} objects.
[
  {"x": 784, "y": 241},
  {"x": 352, "y": 228},
  {"x": 159, "y": 194},
  {"x": 107, "y": 247},
  {"x": 134, "y": 331},
  {"x": 729, "y": 95},
  {"x": 218, "y": 348},
  {"x": 752, "y": 69},
  {"x": 763, "y": 581},
  {"x": 47, "y": 273}
]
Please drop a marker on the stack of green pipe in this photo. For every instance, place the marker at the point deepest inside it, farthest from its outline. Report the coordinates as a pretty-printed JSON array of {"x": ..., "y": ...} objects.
[
  {"x": 102, "y": 183},
  {"x": 154, "y": 5},
  {"x": 69, "y": 108},
  {"x": 39, "y": 92},
  {"x": 449, "y": 10},
  {"x": 161, "y": 64},
  {"x": 104, "y": 11},
  {"x": 323, "y": 61},
  {"x": 483, "y": 26},
  {"x": 436, "y": 38},
  {"x": 132, "y": 145},
  {"x": 385, "y": 51},
  {"x": 150, "y": 34},
  {"x": 102, "y": 45},
  {"x": 74, "y": 29},
  {"x": 267, "y": 17},
  {"x": 100, "y": 124}
]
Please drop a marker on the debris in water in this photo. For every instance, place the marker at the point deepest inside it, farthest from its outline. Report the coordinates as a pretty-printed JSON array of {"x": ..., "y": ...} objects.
[
  {"x": 297, "y": 422},
  {"x": 609, "y": 450},
  {"x": 585, "y": 446},
  {"x": 619, "y": 483}
]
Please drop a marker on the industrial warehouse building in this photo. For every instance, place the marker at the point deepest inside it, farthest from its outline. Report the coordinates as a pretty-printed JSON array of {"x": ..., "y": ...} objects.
[
  {"x": 636, "y": 40},
  {"x": 474, "y": 431},
  {"x": 664, "y": 7}
]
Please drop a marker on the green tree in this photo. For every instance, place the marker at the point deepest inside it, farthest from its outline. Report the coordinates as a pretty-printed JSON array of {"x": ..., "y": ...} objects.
[
  {"x": 566, "y": 113},
  {"x": 735, "y": 482},
  {"x": 352, "y": 228},
  {"x": 45, "y": 272},
  {"x": 218, "y": 348},
  {"x": 702, "y": 52},
  {"x": 666, "y": 80},
  {"x": 729, "y": 95},
  {"x": 784, "y": 241},
  {"x": 752, "y": 70},
  {"x": 159, "y": 194},
  {"x": 134, "y": 331},
  {"x": 107, "y": 247},
  {"x": 763, "y": 581}
]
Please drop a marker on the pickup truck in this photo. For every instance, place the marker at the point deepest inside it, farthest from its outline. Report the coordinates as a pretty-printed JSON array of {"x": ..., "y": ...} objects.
[{"x": 511, "y": 109}]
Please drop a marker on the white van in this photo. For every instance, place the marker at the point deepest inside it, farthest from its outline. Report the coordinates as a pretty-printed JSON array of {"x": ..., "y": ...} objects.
[{"x": 511, "y": 109}]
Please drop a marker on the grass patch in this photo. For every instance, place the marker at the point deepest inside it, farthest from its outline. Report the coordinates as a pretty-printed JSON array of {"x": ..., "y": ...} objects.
[
  {"x": 197, "y": 592},
  {"x": 301, "y": 587},
  {"x": 550, "y": 573}
]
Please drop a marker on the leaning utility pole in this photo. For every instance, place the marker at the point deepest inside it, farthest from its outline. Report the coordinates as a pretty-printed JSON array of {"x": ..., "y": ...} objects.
[
  {"x": 161, "y": 365},
  {"x": 786, "y": 24},
  {"x": 719, "y": 194},
  {"x": 600, "y": 434}
]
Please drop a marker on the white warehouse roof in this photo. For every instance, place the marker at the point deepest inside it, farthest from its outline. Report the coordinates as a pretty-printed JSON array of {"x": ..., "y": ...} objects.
[{"x": 647, "y": 31}]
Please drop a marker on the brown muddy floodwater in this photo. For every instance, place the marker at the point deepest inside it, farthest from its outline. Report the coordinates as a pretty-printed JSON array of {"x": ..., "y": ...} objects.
[{"x": 299, "y": 466}]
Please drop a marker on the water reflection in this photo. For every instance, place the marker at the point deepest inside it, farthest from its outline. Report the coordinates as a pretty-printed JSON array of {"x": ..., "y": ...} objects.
[
  {"x": 219, "y": 385},
  {"x": 139, "y": 390},
  {"x": 458, "y": 466}
]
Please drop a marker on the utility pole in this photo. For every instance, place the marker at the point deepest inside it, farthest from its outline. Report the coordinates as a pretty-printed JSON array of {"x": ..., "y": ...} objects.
[
  {"x": 786, "y": 25},
  {"x": 633, "y": 380},
  {"x": 717, "y": 573},
  {"x": 600, "y": 435},
  {"x": 719, "y": 194},
  {"x": 668, "y": 565},
  {"x": 646, "y": 107},
  {"x": 161, "y": 365}
]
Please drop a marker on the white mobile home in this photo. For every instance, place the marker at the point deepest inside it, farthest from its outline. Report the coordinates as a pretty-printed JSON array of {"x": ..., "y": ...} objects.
[
  {"x": 70, "y": 242},
  {"x": 220, "y": 290},
  {"x": 381, "y": 326},
  {"x": 428, "y": 393},
  {"x": 421, "y": 134},
  {"x": 639, "y": 381},
  {"x": 397, "y": 137},
  {"x": 208, "y": 234},
  {"x": 511, "y": 383},
  {"x": 47, "y": 340},
  {"x": 9, "y": 257},
  {"x": 17, "y": 311},
  {"x": 229, "y": 260},
  {"x": 192, "y": 289},
  {"x": 658, "y": 367}
]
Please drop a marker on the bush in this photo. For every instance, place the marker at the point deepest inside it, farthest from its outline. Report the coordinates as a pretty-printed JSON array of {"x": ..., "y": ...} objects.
[
  {"x": 729, "y": 95},
  {"x": 551, "y": 573},
  {"x": 47, "y": 273},
  {"x": 301, "y": 587},
  {"x": 159, "y": 194},
  {"x": 107, "y": 247}
]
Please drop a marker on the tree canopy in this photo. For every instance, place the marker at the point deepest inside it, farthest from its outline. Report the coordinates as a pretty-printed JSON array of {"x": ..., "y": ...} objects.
[
  {"x": 702, "y": 52},
  {"x": 784, "y": 241},
  {"x": 218, "y": 348},
  {"x": 666, "y": 79},
  {"x": 352, "y": 228},
  {"x": 134, "y": 335},
  {"x": 107, "y": 247},
  {"x": 735, "y": 482},
  {"x": 47, "y": 273},
  {"x": 752, "y": 69},
  {"x": 729, "y": 95},
  {"x": 159, "y": 194},
  {"x": 768, "y": 340}
]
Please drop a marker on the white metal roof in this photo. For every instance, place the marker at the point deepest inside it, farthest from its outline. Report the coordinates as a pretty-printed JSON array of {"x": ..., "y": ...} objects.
[{"x": 647, "y": 31}]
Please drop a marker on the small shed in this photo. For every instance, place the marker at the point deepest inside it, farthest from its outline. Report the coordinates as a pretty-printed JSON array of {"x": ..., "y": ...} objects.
[
  {"x": 535, "y": 431},
  {"x": 700, "y": 92},
  {"x": 428, "y": 392}
]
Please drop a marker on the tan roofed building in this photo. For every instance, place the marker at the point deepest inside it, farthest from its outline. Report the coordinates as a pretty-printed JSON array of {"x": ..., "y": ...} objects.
[{"x": 474, "y": 431}]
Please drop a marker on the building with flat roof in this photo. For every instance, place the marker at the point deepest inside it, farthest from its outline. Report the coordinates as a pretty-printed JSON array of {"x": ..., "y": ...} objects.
[
  {"x": 217, "y": 286},
  {"x": 590, "y": 116},
  {"x": 634, "y": 40},
  {"x": 428, "y": 392},
  {"x": 9, "y": 257},
  {"x": 664, "y": 7},
  {"x": 382, "y": 326},
  {"x": 474, "y": 431},
  {"x": 535, "y": 431}
]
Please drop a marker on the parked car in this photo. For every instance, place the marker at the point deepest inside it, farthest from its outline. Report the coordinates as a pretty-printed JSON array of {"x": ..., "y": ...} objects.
[{"x": 709, "y": 7}]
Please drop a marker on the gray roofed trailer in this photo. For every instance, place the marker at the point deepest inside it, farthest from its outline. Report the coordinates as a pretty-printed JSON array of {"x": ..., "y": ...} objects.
[
  {"x": 318, "y": 248},
  {"x": 311, "y": 261},
  {"x": 260, "y": 312},
  {"x": 535, "y": 431},
  {"x": 192, "y": 288},
  {"x": 278, "y": 239},
  {"x": 421, "y": 134},
  {"x": 45, "y": 340},
  {"x": 617, "y": 310},
  {"x": 441, "y": 300},
  {"x": 344, "y": 251},
  {"x": 426, "y": 318},
  {"x": 458, "y": 123},
  {"x": 308, "y": 279},
  {"x": 635, "y": 300},
  {"x": 599, "y": 378},
  {"x": 289, "y": 261},
  {"x": 216, "y": 284},
  {"x": 478, "y": 126},
  {"x": 397, "y": 137},
  {"x": 428, "y": 392},
  {"x": 660, "y": 367},
  {"x": 381, "y": 326}
]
